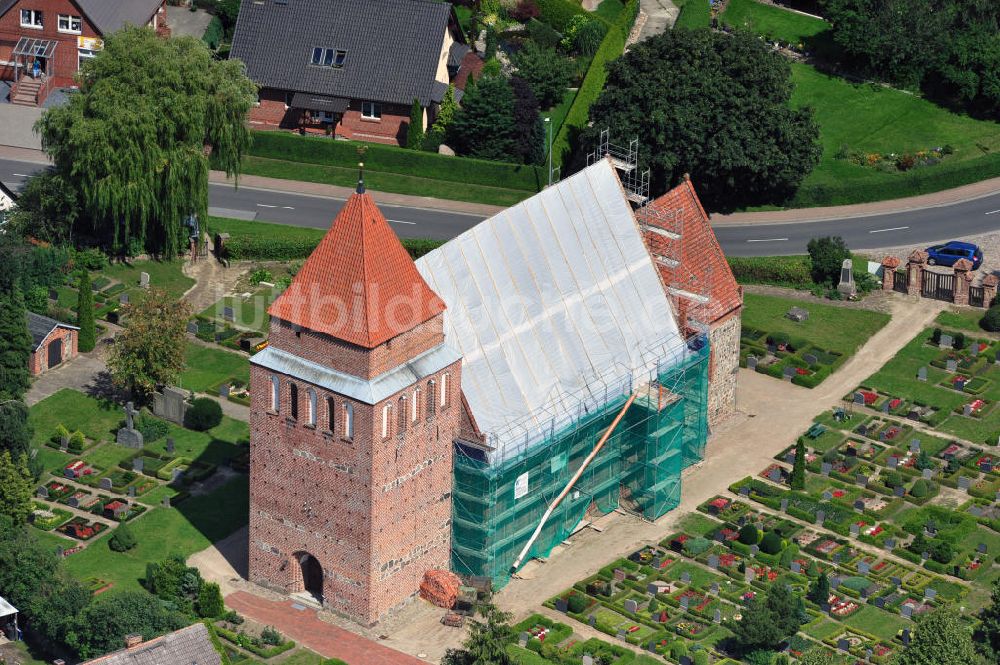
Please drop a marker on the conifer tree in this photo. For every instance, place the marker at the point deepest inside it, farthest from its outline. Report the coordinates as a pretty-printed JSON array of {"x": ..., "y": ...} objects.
[
  {"x": 85, "y": 314},
  {"x": 798, "y": 479},
  {"x": 415, "y": 130},
  {"x": 15, "y": 346}
]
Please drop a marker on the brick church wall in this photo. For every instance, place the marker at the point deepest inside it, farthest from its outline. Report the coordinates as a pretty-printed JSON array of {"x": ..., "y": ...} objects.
[
  {"x": 724, "y": 342},
  {"x": 39, "y": 360}
]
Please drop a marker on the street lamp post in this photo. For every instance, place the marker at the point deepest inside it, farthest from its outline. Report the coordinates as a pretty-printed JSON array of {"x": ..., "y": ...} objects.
[{"x": 548, "y": 126}]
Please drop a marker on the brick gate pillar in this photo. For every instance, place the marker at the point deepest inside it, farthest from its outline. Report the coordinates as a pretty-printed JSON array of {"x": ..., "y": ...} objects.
[
  {"x": 990, "y": 289},
  {"x": 915, "y": 271},
  {"x": 962, "y": 281},
  {"x": 889, "y": 265}
]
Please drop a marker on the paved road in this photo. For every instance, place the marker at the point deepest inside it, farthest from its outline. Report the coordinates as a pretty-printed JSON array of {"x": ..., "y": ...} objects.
[{"x": 914, "y": 227}]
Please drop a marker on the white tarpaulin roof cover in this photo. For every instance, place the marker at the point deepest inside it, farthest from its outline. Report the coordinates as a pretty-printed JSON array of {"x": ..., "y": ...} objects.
[
  {"x": 550, "y": 301},
  {"x": 6, "y": 609}
]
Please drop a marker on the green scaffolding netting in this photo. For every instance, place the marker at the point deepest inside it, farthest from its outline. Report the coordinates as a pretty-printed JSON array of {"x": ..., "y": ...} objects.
[{"x": 496, "y": 507}]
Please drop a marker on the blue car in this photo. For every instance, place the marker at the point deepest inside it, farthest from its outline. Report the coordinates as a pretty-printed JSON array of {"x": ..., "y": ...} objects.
[{"x": 949, "y": 252}]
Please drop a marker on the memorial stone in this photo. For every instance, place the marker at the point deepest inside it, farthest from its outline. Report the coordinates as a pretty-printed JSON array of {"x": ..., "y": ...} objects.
[
  {"x": 899, "y": 491},
  {"x": 784, "y": 505},
  {"x": 43, "y": 492},
  {"x": 105, "y": 484},
  {"x": 713, "y": 561},
  {"x": 192, "y": 327},
  {"x": 951, "y": 365},
  {"x": 752, "y": 362},
  {"x": 964, "y": 482},
  {"x": 863, "y": 568},
  {"x": 927, "y": 473},
  {"x": 631, "y": 606},
  {"x": 825, "y": 468},
  {"x": 796, "y": 567},
  {"x": 945, "y": 342},
  {"x": 915, "y": 446},
  {"x": 922, "y": 374},
  {"x": 144, "y": 280},
  {"x": 137, "y": 465}
]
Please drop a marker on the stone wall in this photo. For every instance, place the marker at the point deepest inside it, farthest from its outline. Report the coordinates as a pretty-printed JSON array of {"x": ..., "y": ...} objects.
[
  {"x": 724, "y": 340},
  {"x": 39, "y": 361}
]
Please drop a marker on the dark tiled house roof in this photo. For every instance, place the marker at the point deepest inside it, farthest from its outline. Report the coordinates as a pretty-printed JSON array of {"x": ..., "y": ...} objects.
[
  {"x": 187, "y": 646},
  {"x": 393, "y": 46},
  {"x": 108, "y": 15},
  {"x": 40, "y": 326}
]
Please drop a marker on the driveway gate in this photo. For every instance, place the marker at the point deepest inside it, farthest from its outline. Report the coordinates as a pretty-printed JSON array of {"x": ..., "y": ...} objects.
[{"x": 938, "y": 286}]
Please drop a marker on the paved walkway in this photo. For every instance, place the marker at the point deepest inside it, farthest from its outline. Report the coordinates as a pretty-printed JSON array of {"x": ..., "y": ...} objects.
[
  {"x": 660, "y": 16},
  {"x": 947, "y": 197},
  {"x": 305, "y": 628},
  {"x": 184, "y": 22}
]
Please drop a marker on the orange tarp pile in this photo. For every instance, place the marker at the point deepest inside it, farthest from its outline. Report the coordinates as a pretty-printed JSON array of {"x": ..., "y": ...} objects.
[{"x": 440, "y": 587}]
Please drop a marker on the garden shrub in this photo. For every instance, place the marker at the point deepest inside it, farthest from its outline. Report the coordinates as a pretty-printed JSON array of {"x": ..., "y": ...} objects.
[
  {"x": 771, "y": 543},
  {"x": 204, "y": 414},
  {"x": 760, "y": 657},
  {"x": 271, "y": 636},
  {"x": 77, "y": 441},
  {"x": 577, "y": 603},
  {"x": 122, "y": 540},
  {"x": 700, "y": 658},
  {"x": 941, "y": 551},
  {"x": 559, "y": 13},
  {"x": 151, "y": 427},
  {"x": 991, "y": 320},
  {"x": 695, "y": 546},
  {"x": 678, "y": 649},
  {"x": 958, "y": 341},
  {"x": 936, "y": 336},
  {"x": 260, "y": 275},
  {"x": 748, "y": 534},
  {"x": 856, "y": 583},
  {"x": 60, "y": 433},
  {"x": 210, "y": 603},
  {"x": 920, "y": 489}
]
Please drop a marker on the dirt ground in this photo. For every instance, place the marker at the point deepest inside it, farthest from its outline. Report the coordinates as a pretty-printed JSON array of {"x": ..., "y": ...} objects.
[{"x": 771, "y": 415}]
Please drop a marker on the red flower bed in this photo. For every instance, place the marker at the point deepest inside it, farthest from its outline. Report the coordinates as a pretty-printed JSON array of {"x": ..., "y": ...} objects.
[
  {"x": 720, "y": 503},
  {"x": 869, "y": 396},
  {"x": 801, "y": 371},
  {"x": 837, "y": 493},
  {"x": 895, "y": 402}
]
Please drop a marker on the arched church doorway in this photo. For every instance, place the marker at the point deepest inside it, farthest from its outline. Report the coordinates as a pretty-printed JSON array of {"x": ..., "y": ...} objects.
[{"x": 311, "y": 576}]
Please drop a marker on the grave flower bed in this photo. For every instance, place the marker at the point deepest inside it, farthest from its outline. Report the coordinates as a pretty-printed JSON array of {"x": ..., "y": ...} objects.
[
  {"x": 77, "y": 469},
  {"x": 46, "y": 517},
  {"x": 842, "y": 607},
  {"x": 79, "y": 528},
  {"x": 58, "y": 490},
  {"x": 869, "y": 396}
]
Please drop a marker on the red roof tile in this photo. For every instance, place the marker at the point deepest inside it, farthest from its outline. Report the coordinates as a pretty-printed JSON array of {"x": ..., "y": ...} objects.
[
  {"x": 359, "y": 284},
  {"x": 702, "y": 268},
  {"x": 472, "y": 64}
]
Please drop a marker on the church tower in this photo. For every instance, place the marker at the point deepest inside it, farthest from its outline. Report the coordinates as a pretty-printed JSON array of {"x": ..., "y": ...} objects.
[{"x": 354, "y": 406}]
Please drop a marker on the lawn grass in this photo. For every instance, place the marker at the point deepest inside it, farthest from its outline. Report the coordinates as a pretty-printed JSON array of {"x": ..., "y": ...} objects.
[
  {"x": 962, "y": 319},
  {"x": 208, "y": 366},
  {"x": 97, "y": 419},
  {"x": 165, "y": 275},
  {"x": 871, "y": 118},
  {"x": 833, "y": 328},
  {"x": 383, "y": 181},
  {"x": 694, "y": 14},
  {"x": 242, "y": 227},
  {"x": 187, "y": 529},
  {"x": 558, "y": 112},
  {"x": 773, "y": 22},
  {"x": 248, "y": 313},
  {"x": 879, "y": 623}
]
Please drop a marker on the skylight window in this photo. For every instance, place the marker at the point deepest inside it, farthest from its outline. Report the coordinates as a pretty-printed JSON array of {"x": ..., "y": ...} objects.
[{"x": 328, "y": 57}]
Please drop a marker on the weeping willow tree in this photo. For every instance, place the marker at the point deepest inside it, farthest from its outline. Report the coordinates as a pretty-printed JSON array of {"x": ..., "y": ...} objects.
[{"x": 135, "y": 140}]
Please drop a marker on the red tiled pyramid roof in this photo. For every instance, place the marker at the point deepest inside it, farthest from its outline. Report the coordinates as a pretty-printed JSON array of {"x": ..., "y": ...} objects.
[
  {"x": 702, "y": 263},
  {"x": 359, "y": 284}
]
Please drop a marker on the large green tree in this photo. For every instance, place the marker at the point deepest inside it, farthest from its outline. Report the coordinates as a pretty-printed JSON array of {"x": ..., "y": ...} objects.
[
  {"x": 15, "y": 346},
  {"x": 15, "y": 487},
  {"x": 827, "y": 256},
  {"x": 484, "y": 125},
  {"x": 149, "y": 352},
  {"x": 85, "y": 314},
  {"x": 798, "y": 478},
  {"x": 712, "y": 105},
  {"x": 47, "y": 209},
  {"x": 940, "y": 638},
  {"x": 547, "y": 72},
  {"x": 988, "y": 634},
  {"x": 103, "y": 625},
  {"x": 15, "y": 428},
  {"x": 757, "y": 628},
  {"x": 487, "y": 641},
  {"x": 134, "y": 141}
]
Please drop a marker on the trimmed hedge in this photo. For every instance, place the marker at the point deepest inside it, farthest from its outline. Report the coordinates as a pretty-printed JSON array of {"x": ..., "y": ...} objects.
[
  {"x": 777, "y": 270},
  {"x": 593, "y": 83},
  {"x": 559, "y": 13},
  {"x": 276, "y": 248},
  {"x": 390, "y": 159}
]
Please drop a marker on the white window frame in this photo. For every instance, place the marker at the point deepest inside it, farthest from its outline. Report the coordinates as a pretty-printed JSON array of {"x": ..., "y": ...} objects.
[
  {"x": 83, "y": 54},
  {"x": 444, "y": 390},
  {"x": 313, "y": 60},
  {"x": 275, "y": 394},
  {"x": 339, "y": 58},
  {"x": 415, "y": 408},
  {"x": 386, "y": 421},
  {"x": 36, "y": 19},
  {"x": 70, "y": 19},
  {"x": 348, "y": 420},
  {"x": 371, "y": 110},
  {"x": 312, "y": 406}
]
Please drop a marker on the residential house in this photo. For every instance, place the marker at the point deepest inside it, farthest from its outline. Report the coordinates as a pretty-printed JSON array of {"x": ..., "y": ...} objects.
[
  {"x": 53, "y": 342},
  {"x": 351, "y": 68},
  {"x": 188, "y": 646},
  {"x": 44, "y": 42}
]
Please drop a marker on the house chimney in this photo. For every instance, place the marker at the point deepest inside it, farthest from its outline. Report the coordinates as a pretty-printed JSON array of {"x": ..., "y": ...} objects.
[{"x": 133, "y": 640}]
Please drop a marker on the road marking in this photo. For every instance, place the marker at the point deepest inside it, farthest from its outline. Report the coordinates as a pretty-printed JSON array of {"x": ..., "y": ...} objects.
[
  {"x": 264, "y": 205},
  {"x": 287, "y": 208},
  {"x": 399, "y": 221},
  {"x": 895, "y": 228},
  {"x": 991, "y": 212},
  {"x": 769, "y": 240},
  {"x": 22, "y": 175}
]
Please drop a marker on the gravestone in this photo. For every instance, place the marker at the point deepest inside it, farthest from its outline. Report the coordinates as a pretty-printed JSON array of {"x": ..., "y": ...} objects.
[
  {"x": 945, "y": 342},
  {"x": 810, "y": 359},
  {"x": 986, "y": 466},
  {"x": 166, "y": 502},
  {"x": 846, "y": 285},
  {"x": 896, "y": 581},
  {"x": 825, "y": 468},
  {"x": 855, "y": 529},
  {"x": 131, "y": 491},
  {"x": 929, "y": 593},
  {"x": 866, "y": 592},
  {"x": 228, "y": 314},
  {"x": 889, "y": 543},
  {"x": 915, "y": 446},
  {"x": 784, "y": 505},
  {"x": 951, "y": 365},
  {"x": 522, "y": 640},
  {"x": 176, "y": 475},
  {"x": 834, "y": 581},
  {"x": 745, "y": 490},
  {"x": 925, "y": 555},
  {"x": 820, "y": 517},
  {"x": 880, "y": 602},
  {"x": 859, "y": 506},
  {"x": 748, "y": 575},
  {"x": 863, "y": 567},
  {"x": 774, "y": 475},
  {"x": 859, "y": 399},
  {"x": 651, "y": 647},
  {"x": 144, "y": 280},
  {"x": 53, "y": 294},
  {"x": 717, "y": 618},
  {"x": 788, "y": 373},
  {"x": 592, "y": 619},
  {"x": 981, "y": 548},
  {"x": 720, "y": 537},
  {"x": 868, "y": 655},
  {"x": 790, "y": 457},
  {"x": 224, "y": 391},
  {"x": 684, "y": 602},
  {"x": 827, "y": 496},
  {"x": 137, "y": 464},
  {"x": 171, "y": 404},
  {"x": 906, "y": 611},
  {"x": 974, "y": 349},
  {"x": 861, "y": 479},
  {"x": 899, "y": 491},
  {"x": 797, "y": 314},
  {"x": 966, "y": 409},
  {"x": 922, "y": 374},
  {"x": 686, "y": 660},
  {"x": 170, "y": 444},
  {"x": 42, "y": 492},
  {"x": 836, "y": 557},
  {"x": 843, "y": 645},
  {"x": 753, "y": 550},
  {"x": 105, "y": 484},
  {"x": 905, "y": 637},
  {"x": 892, "y": 461},
  {"x": 714, "y": 589},
  {"x": 713, "y": 561},
  {"x": 562, "y": 605},
  {"x": 73, "y": 502},
  {"x": 192, "y": 327},
  {"x": 862, "y": 430},
  {"x": 752, "y": 362},
  {"x": 825, "y": 608},
  {"x": 587, "y": 658},
  {"x": 64, "y": 443},
  {"x": 796, "y": 567},
  {"x": 631, "y": 606},
  {"x": 772, "y": 348},
  {"x": 975, "y": 511},
  {"x": 123, "y": 298},
  {"x": 885, "y": 406},
  {"x": 686, "y": 577},
  {"x": 619, "y": 575},
  {"x": 927, "y": 473},
  {"x": 964, "y": 482},
  {"x": 621, "y": 634},
  {"x": 652, "y": 589},
  {"x": 129, "y": 436}
]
